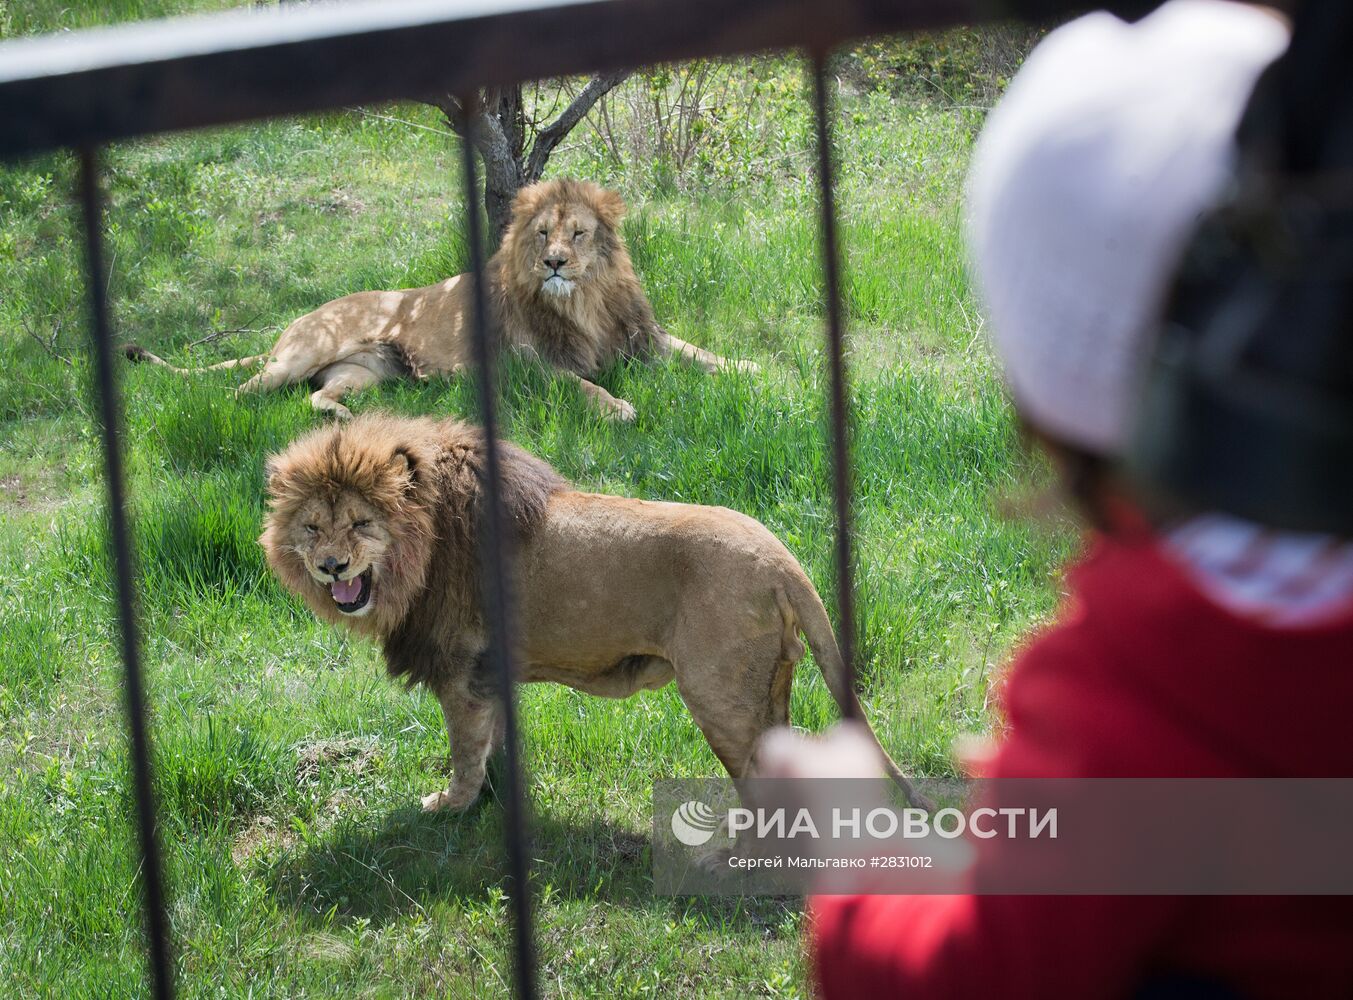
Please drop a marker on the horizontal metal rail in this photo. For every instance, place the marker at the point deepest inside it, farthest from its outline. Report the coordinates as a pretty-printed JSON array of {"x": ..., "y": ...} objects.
[{"x": 94, "y": 86}]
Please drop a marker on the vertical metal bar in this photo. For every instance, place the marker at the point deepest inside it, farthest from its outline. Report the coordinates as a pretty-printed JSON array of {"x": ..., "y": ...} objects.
[
  {"x": 497, "y": 589},
  {"x": 831, "y": 268},
  {"x": 156, "y": 921}
]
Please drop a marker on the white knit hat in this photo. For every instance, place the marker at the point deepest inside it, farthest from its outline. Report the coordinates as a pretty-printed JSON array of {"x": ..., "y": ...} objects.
[{"x": 1088, "y": 180}]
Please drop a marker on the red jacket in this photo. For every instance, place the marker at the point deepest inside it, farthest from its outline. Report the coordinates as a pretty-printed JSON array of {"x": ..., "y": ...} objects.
[{"x": 1142, "y": 676}]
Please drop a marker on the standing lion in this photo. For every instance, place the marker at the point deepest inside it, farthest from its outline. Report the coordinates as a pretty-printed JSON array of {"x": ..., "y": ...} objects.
[
  {"x": 375, "y": 523},
  {"x": 561, "y": 286}
]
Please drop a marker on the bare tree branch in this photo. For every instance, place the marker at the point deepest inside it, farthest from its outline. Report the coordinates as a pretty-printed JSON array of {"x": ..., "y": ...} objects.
[
  {"x": 219, "y": 333},
  {"x": 47, "y": 344},
  {"x": 551, "y": 135},
  {"x": 498, "y": 129},
  {"x": 453, "y": 113}
]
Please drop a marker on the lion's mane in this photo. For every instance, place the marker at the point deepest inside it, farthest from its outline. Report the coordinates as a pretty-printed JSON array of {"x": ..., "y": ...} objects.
[
  {"x": 426, "y": 478},
  {"x": 610, "y": 315}
]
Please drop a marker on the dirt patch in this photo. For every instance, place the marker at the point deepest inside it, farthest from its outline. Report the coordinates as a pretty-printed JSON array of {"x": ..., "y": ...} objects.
[
  {"x": 352, "y": 756},
  {"x": 337, "y": 202},
  {"x": 261, "y": 838},
  {"x": 323, "y": 946},
  {"x": 29, "y": 495},
  {"x": 266, "y": 837}
]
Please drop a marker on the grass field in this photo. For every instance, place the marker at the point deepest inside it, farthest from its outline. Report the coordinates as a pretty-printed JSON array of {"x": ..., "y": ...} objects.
[{"x": 289, "y": 768}]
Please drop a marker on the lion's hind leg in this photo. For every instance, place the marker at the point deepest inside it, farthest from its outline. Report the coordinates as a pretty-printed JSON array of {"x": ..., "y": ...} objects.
[
  {"x": 292, "y": 362},
  {"x": 736, "y": 695},
  {"x": 336, "y": 381},
  {"x": 275, "y": 374}
]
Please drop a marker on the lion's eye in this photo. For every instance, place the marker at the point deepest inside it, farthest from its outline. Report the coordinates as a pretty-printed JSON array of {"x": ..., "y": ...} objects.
[
  {"x": 544, "y": 232},
  {"x": 312, "y": 528},
  {"x": 360, "y": 524},
  {"x": 578, "y": 234}
]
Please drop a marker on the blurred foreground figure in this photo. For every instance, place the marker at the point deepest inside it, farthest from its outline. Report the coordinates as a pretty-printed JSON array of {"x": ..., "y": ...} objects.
[{"x": 1195, "y": 646}]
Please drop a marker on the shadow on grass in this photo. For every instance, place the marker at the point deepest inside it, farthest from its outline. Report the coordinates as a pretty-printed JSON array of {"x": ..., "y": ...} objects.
[
  {"x": 383, "y": 868},
  {"x": 408, "y": 862}
]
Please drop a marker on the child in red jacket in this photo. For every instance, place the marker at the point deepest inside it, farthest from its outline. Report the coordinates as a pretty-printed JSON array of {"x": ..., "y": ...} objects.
[{"x": 1205, "y": 648}]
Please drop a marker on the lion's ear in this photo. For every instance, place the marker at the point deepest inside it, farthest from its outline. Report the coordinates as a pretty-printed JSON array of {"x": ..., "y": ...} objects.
[
  {"x": 405, "y": 463},
  {"x": 271, "y": 467},
  {"x": 610, "y": 207}
]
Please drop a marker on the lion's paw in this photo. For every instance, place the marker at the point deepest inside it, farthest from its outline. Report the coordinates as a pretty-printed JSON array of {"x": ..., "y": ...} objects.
[
  {"x": 749, "y": 367},
  {"x": 450, "y": 800},
  {"x": 716, "y": 860},
  {"x": 620, "y": 410}
]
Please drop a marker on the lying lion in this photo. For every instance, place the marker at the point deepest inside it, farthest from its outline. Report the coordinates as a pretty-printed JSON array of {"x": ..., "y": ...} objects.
[
  {"x": 374, "y": 525},
  {"x": 561, "y": 286}
]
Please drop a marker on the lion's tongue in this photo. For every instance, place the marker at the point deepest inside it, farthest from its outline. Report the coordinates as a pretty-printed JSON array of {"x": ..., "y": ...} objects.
[{"x": 346, "y": 591}]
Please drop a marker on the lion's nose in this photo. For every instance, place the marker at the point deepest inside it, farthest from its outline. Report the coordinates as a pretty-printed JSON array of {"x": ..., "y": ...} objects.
[
  {"x": 556, "y": 262},
  {"x": 332, "y": 566}
]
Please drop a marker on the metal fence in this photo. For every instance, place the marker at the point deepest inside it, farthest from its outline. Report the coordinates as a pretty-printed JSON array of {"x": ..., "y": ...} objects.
[{"x": 85, "y": 89}]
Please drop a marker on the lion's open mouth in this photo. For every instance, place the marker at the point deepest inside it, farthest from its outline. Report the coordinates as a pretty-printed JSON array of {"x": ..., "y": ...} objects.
[{"x": 352, "y": 596}]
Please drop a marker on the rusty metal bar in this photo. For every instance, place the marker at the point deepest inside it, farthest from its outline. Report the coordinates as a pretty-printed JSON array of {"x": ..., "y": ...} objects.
[
  {"x": 494, "y": 559},
  {"x": 104, "y": 84},
  {"x": 836, "y": 363},
  {"x": 110, "y": 418}
]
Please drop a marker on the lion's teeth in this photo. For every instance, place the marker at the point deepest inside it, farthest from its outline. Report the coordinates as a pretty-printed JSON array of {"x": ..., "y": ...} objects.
[{"x": 346, "y": 591}]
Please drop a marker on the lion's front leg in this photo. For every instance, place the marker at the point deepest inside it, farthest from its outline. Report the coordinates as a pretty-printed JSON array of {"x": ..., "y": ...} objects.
[
  {"x": 471, "y": 726},
  {"x": 610, "y": 407},
  {"x": 707, "y": 361}
]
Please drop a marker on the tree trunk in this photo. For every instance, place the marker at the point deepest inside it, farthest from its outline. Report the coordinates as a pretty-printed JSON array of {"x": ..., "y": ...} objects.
[
  {"x": 498, "y": 208},
  {"x": 502, "y": 155},
  {"x": 498, "y": 128}
]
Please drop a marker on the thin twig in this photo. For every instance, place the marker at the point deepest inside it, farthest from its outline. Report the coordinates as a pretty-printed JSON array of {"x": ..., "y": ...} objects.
[
  {"x": 112, "y": 264},
  {"x": 48, "y": 345},
  {"x": 388, "y": 880},
  {"x": 549, "y": 136},
  {"x": 218, "y": 334}
]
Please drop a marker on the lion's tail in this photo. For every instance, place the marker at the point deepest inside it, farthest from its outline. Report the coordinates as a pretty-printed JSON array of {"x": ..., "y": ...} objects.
[
  {"x": 803, "y": 608},
  {"x": 137, "y": 353}
]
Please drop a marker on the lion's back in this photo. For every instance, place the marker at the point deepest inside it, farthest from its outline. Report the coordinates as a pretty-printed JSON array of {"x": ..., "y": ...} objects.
[{"x": 684, "y": 541}]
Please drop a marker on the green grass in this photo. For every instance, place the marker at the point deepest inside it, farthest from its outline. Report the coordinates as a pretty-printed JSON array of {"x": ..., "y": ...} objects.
[{"x": 288, "y": 766}]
